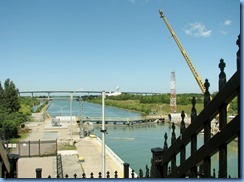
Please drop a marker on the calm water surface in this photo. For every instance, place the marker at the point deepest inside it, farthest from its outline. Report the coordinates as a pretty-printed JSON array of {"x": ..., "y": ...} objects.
[{"x": 133, "y": 143}]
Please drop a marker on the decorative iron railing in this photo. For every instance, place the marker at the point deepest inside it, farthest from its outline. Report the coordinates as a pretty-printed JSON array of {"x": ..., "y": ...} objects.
[{"x": 199, "y": 162}]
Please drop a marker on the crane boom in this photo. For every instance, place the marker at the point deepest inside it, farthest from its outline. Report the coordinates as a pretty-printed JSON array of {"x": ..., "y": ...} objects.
[{"x": 183, "y": 52}]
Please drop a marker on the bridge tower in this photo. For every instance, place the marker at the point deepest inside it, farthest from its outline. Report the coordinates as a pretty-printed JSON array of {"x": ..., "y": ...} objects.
[{"x": 172, "y": 93}]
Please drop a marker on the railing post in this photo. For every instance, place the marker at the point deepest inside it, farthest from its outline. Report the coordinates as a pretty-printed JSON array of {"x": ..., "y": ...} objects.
[
  {"x": 173, "y": 138},
  {"x": 207, "y": 130},
  {"x": 165, "y": 141},
  {"x": 222, "y": 123},
  {"x": 238, "y": 59},
  {"x": 156, "y": 162},
  {"x": 126, "y": 170},
  {"x": 238, "y": 53},
  {"x": 182, "y": 129},
  {"x": 13, "y": 159},
  {"x": 38, "y": 172},
  {"x": 194, "y": 137}
]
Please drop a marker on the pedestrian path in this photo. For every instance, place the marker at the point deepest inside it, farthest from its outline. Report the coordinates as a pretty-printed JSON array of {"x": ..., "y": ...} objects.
[
  {"x": 90, "y": 149},
  {"x": 71, "y": 166}
]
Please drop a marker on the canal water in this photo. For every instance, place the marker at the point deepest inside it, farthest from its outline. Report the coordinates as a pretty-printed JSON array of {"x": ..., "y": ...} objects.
[{"x": 133, "y": 143}]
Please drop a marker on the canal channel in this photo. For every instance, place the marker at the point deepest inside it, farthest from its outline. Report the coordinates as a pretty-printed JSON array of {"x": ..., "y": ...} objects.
[{"x": 133, "y": 143}]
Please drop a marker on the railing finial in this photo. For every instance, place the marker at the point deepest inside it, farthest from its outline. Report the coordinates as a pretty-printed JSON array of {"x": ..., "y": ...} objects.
[
  {"x": 182, "y": 124},
  {"x": 140, "y": 173},
  {"x": 238, "y": 53},
  {"x": 165, "y": 141},
  {"x": 147, "y": 172},
  {"x": 222, "y": 75},
  {"x": 116, "y": 174},
  {"x": 108, "y": 174},
  {"x": 84, "y": 175},
  {"x": 173, "y": 137},
  {"x": 133, "y": 173}
]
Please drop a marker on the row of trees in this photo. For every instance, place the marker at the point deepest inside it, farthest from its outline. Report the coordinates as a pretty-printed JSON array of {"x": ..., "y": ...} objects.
[
  {"x": 182, "y": 99},
  {"x": 10, "y": 117}
]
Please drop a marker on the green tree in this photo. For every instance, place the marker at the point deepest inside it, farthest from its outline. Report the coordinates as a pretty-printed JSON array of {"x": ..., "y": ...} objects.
[
  {"x": 10, "y": 97},
  {"x": 10, "y": 117},
  {"x": 1, "y": 97}
]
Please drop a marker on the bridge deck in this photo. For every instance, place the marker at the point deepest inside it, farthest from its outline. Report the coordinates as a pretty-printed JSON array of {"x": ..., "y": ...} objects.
[{"x": 114, "y": 120}]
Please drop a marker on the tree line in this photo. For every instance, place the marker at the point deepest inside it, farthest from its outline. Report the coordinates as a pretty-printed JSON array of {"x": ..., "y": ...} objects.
[
  {"x": 14, "y": 110},
  {"x": 182, "y": 99},
  {"x": 146, "y": 103}
]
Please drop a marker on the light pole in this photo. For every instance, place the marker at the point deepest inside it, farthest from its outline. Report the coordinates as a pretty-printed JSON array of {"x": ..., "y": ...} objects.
[
  {"x": 71, "y": 123},
  {"x": 61, "y": 109},
  {"x": 103, "y": 130}
]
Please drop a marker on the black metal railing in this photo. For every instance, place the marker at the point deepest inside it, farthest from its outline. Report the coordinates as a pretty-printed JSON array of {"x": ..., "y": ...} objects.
[
  {"x": 126, "y": 174},
  {"x": 199, "y": 162}
]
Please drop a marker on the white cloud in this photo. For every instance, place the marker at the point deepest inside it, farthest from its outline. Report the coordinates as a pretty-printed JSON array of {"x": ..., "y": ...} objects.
[
  {"x": 227, "y": 22},
  {"x": 224, "y": 32},
  {"x": 225, "y": 26},
  {"x": 197, "y": 29}
]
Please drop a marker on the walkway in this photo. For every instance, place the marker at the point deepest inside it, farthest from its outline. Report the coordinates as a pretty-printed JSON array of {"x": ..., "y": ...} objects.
[{"x": 89, "y": 148}]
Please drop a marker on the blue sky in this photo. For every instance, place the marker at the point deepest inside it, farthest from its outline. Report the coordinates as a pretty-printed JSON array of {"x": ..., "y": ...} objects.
[{"x": 100, "y": 44}]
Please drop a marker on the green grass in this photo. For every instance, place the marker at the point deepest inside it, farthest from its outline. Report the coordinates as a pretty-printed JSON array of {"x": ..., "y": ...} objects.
[
  {"x": 22, "y": 136},
  {"x": 146, "y": 109},
  {"x": 66, "y": 147}
]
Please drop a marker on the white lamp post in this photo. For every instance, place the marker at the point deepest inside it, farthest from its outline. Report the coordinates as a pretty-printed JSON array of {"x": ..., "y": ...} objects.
[
  {"x": 71, "y": 123},
  {"x": 61, "y": 109},
  {"x": 103, "y": 130}
]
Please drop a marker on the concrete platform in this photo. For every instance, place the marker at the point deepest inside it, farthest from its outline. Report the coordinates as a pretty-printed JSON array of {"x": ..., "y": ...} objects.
[{"x": 88, "y": 148}]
